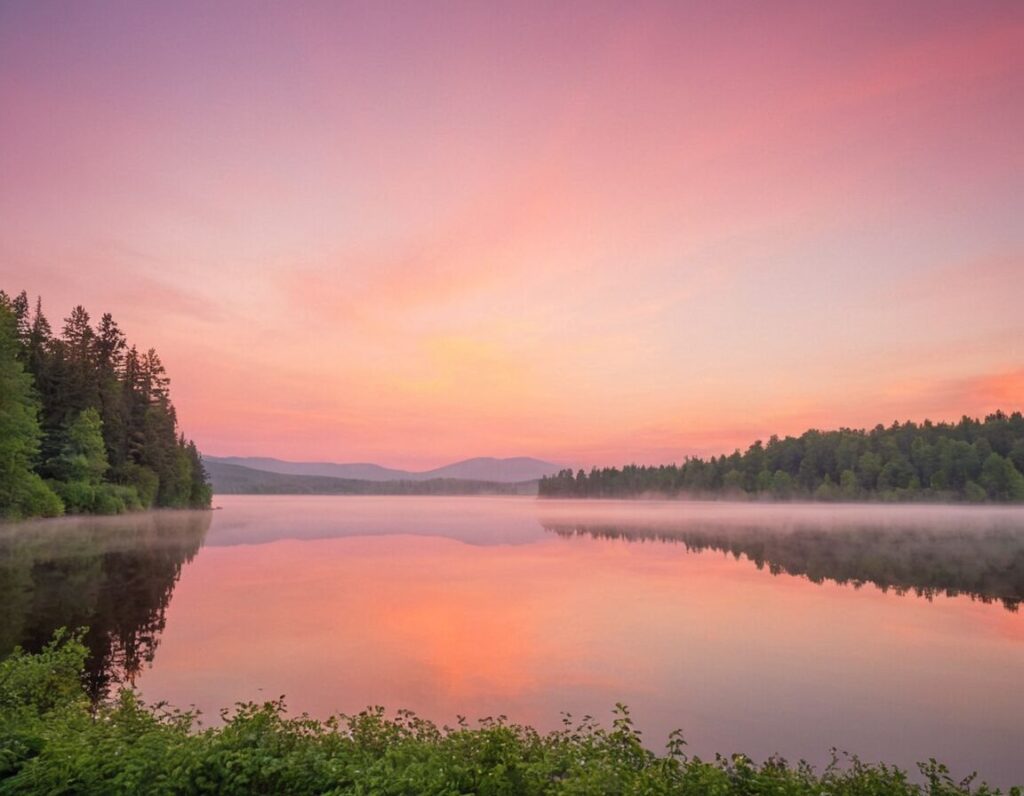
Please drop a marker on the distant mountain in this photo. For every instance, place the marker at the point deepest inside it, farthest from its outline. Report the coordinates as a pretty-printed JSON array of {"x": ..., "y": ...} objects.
[
  {"x": 233, "y": 479},
  {"x": 486, "y": 468},
  {"x": 359, "y": 470}
]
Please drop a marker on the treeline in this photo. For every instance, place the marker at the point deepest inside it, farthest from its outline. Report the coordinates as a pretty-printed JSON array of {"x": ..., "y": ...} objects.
[
  {"x": 973, "y": 461},
  {"x": 86, "y": 421}
]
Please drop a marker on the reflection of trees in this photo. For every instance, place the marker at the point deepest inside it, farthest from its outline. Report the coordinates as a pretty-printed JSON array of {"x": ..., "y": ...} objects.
[
  {"x": 987, "y": 565},
  {"x": 113, "y": 575}
]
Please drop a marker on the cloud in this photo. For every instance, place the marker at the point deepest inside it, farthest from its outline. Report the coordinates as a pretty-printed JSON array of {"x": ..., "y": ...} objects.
[{"x": 104, "y": 278}]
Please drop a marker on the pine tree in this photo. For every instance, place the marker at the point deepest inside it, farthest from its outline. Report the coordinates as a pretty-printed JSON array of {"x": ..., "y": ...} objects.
[
  {"x": 22, "y": 491},
  {"x": 109, "y": 354},
  {"x": 84, "y": 456},
  {"x": 22, "y": 321},
  {"x": 39, "y": 337},
  {"x": 79, "y": 346},
  {"x": 105, "y": 429}
]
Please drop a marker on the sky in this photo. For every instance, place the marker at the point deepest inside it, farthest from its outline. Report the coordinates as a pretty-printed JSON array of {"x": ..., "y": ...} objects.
[{"x": 590, "y": 232}]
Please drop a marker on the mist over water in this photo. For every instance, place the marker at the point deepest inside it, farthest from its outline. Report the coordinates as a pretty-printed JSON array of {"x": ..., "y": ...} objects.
[
  {"x": 893, "y": 632},
  {"x": 929, "y": 550},
  {"x": 114, "y": 575}
]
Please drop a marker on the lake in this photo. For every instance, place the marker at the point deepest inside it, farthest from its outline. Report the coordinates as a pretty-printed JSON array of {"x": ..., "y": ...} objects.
[{"x": 891, "y": 632}]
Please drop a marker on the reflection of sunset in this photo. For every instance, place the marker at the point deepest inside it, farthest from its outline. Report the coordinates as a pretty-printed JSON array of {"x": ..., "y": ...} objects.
[{"x": 698, "y": 640}]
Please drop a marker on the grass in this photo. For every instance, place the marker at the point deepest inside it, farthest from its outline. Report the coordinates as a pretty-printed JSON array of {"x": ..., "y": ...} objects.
[{"x": 54, "y": 741}]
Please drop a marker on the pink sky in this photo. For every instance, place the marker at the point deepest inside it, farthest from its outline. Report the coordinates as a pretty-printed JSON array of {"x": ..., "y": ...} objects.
[{"x": 595, "y": 233}]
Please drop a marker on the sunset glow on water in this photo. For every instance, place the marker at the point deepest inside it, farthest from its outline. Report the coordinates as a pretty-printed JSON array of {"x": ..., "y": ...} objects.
[{"x": 486, "y": 606}]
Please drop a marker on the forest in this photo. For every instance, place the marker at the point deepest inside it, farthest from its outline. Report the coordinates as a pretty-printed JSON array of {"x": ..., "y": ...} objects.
[
  {"x": 87, "y": 425},
  {"x": 970, "y": 461}
]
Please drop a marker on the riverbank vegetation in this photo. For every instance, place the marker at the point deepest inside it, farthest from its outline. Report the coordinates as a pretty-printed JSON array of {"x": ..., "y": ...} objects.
[
  {"x": 972, "y": 461},
  {"x": 53, "y": 740},
  {"x": 86, "y": 421}
]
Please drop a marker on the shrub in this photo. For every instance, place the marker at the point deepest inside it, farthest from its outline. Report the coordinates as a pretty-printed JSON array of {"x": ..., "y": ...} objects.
[
  {"x": 143, "y": 480},
  {"x": 30, "y": 496},
  {"x": 34, "y": 689},
  {"x": 974, "y": 493},
  {"x": 79, "y": 496},
  {"x": 107, "y": 501},
  {"x": 128, "y": 495},
  {"x": 50, "y": 742}
]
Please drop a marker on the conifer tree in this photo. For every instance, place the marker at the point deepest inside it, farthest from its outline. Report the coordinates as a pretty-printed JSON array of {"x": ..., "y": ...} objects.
[
  {"x": 22, "y": 491},
  {"x": 100, "y": 424}
]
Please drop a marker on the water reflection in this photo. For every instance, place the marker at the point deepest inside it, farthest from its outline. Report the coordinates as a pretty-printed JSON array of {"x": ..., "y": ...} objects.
[
  {"x": 469, "y": 606},
  {"x": 112, "y": 575},
  {"x": 985, "y": 562},
  {"x": 482, "y": 606}
]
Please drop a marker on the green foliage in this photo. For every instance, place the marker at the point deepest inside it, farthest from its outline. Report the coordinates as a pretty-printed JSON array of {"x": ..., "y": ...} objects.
[
  {"x": 79, "y": 497},
  {"x": 29, "y": 496},
  {"x": 827, "y": 491},
  {"x": 50, "y": 742},
  {"x": 22, "y": 492},
  {"x": 86, "y": 419},
  {"x": 44, "y": 681},
  {"x": 83, "y": 497},
  {"x": 200, "y": 491},
  {"x": 1000, "y": 479},
  {"x": 974, "y": 493},
  {"x": 782, "y": 484},
  {"x": 733, "y": 481},
  {"x": 84, "y": 456},
  {"x": 143, "y": 480},
  {"x": 848, "y": 487},
  {"x": 34, "y": 690},
  {"x": 128, "y": 497},
  {"x": 973, "y": 461}
]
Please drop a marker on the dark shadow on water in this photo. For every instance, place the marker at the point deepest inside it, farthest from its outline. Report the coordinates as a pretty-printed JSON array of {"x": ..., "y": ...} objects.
[
  {"x": 986, "y": 563},
  {"x": 112, "y": 575}
]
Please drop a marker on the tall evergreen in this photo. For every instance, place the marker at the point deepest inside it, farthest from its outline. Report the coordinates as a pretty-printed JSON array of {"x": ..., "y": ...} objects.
[
  {"x": 22, "y": 322},
  {"x": 22, "y": 491},
  {"x": 109, "y": 352},
  {"x": 88, "y": 418}
]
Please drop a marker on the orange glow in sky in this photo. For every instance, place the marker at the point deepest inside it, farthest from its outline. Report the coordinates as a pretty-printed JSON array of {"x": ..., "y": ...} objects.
[{"x": 594, "y": 233}]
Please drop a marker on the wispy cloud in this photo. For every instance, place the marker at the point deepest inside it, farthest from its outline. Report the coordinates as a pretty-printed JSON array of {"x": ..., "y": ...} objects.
[{"x": 591, "y": 232}]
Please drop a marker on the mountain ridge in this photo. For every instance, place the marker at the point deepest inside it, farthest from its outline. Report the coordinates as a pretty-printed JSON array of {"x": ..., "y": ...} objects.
[
  {"x": 510, "y": 470},
  {"x": 234, "y": 479}
]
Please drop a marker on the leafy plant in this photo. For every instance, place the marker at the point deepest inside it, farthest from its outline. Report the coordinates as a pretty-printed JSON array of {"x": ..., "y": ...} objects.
[{"x": 52, "y": 742}]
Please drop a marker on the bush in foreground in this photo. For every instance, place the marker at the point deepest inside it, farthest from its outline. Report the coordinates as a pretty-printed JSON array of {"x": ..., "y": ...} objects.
[{"x": 53, "y": 741}]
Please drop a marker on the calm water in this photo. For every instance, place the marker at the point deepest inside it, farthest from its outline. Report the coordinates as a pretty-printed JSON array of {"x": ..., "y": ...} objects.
[{"x": 890, "y": 632}]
